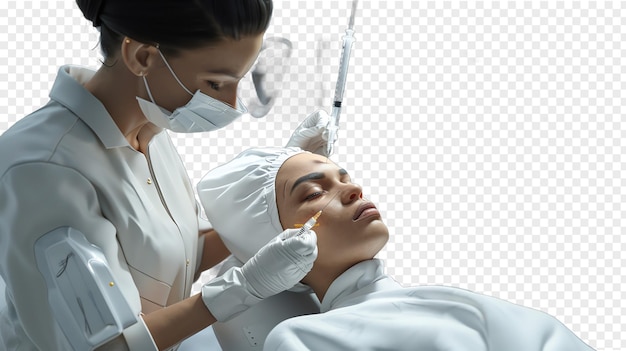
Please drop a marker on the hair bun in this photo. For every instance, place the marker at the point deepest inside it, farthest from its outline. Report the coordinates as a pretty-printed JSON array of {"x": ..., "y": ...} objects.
[{"x": 91, "y": 10}]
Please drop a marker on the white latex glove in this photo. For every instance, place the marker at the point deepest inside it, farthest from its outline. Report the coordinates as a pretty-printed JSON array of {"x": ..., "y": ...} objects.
[
  {"x": 278, "y": 266},
  {"x": 312, "y": 134}
]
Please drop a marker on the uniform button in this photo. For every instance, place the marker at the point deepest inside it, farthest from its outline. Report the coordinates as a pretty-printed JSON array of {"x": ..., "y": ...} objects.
[
  {"x": 149, "y": 181},
  {"x": 187, "y": 263}
]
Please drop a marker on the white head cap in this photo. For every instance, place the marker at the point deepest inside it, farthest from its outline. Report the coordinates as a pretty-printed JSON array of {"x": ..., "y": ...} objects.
[{"x": 239, "y": 198}]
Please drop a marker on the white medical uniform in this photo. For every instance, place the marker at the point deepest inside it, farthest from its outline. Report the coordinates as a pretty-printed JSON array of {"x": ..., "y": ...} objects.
[
  {"x": 68, "y": 164},
  {"x": 366, "y": 310}
]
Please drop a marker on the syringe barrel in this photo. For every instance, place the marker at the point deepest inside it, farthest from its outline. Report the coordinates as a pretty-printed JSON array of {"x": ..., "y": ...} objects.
[{"x": 348, "y": 40}]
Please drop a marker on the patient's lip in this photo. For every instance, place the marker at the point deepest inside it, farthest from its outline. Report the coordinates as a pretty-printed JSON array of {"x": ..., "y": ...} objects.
[{"x": 365, "y": 210}]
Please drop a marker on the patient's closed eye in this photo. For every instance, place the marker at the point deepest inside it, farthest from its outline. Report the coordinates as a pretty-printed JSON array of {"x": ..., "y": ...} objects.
[{"x": 314, "y": 195}]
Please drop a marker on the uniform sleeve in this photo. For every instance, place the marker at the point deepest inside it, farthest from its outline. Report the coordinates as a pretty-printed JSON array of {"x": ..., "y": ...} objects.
[{"x": 36, "y": 198}]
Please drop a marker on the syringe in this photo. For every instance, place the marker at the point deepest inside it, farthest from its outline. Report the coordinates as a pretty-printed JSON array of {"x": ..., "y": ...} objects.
[
  {"x": 348, "y": 40},
  {"x": 313, "y": 220},
  {"x": 310, "y": 223}
]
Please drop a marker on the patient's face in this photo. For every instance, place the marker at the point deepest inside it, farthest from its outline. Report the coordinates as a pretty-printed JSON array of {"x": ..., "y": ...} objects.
[{"x": 350, "y": 228}]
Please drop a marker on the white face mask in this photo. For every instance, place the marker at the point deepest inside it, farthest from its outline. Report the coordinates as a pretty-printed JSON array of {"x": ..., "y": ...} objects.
[{"x": 201, "y": 114}]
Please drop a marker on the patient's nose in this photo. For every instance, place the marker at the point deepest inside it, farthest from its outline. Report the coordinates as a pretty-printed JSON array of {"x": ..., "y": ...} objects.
[{"x": 352, "y": 192}]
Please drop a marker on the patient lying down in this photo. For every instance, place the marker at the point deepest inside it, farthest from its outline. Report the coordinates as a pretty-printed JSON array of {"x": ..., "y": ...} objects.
[{"x": 264, "y": 191}]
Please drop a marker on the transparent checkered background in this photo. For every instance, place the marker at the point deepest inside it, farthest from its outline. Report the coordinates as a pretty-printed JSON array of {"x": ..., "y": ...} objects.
[{"x": 490, "y": 135}]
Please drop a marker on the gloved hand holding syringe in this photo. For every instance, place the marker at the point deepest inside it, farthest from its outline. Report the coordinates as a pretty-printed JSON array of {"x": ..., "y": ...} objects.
[
  {"x": 318, "y": 132},
  {"x": 348, "y": 40}
]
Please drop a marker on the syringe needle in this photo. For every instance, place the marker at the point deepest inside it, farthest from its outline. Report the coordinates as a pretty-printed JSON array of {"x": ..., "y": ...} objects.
[{"x": 351, "y": 23}]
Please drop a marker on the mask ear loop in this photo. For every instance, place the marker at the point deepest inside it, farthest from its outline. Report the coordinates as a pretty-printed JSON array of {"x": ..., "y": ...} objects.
[
  {"x": 145, "y": 82},
  {"x": 172, "y": 71}
]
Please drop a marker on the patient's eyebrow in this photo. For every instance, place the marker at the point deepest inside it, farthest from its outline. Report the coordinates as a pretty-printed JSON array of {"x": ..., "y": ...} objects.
[
  {"x": 313, "y": 176},
  {"x": 305, "y": 178}
]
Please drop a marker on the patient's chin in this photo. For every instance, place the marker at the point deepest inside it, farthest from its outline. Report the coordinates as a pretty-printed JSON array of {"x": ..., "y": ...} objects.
[
  {"x": 377, "y": 238},
  {"x": 378, "y": 229}
]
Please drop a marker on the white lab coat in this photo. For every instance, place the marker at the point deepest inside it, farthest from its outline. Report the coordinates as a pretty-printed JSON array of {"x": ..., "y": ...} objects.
[
  {"x": 366, "y": 310},
  {"x": 68, "y": 164}
]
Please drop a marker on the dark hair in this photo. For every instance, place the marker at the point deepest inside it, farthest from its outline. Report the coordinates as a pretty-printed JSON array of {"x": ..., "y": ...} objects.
[{"x": 175, "y": 24}]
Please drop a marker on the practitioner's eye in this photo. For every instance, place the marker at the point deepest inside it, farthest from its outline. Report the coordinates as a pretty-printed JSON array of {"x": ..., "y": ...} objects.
[{"x": 213, "y": 85}]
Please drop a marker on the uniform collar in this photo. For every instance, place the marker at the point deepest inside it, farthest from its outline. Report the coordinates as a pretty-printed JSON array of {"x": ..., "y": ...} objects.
[
  {"x": 68, "y": 90},
  {"x": 359, "y": 280}
]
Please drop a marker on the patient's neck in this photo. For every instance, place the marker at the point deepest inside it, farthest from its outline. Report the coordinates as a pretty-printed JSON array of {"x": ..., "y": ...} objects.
[
  {"x": 319, "y": 284},
  {"x": 320, "y": 278}
]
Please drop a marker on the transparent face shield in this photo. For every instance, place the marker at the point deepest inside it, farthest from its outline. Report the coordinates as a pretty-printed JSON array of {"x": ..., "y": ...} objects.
[{"x": 261, "y": 87}]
